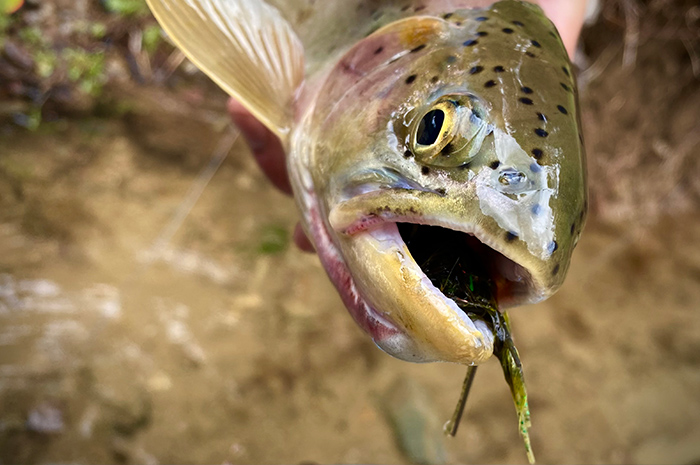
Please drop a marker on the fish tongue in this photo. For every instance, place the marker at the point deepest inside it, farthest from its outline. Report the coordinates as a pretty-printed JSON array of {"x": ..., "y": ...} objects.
[{"x": 464, "y": 278}]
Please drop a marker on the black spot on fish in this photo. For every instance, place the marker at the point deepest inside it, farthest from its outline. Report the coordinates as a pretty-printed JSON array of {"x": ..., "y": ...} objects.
[
  {"x": 536, "y": 209},
  {"x": 481, "y": 18},
  {"x": 498, "y": 69},
  {"x": 542, "y": 117},
  {"x": 379, "y": 50},
  {"x": 408, "y": 154},
  {"x": 470, "y": 42},
  {"x": 410, "y": 78},
  {"x": 490, "y": 83},
  {"x": 418, "y": 49},
  {"x": 555, "y": 270},
  {"x": 537, "y": 153},
  {"x": 405, "y": 7},
  {"x": 541, "y": 132},
  {"x": 511, "y": 236},
  {"x": 419, "y": 8},
  {"x": 434, "y": 79},
  {"x": 535, "y": 168},
  {"x": 447, "y": 15},
  {"x": 526, "y": 90},
  {"x": 425, "y": 170},
  {"x": 565, "y": 87},
  {"x": 440, "y": 191},
  {"x": 518, "y": 23},
  {"x": 476, "y": 69},
  {"x": 482, "y": 34},
  {"x": 507, "y": 30},
  {"x": 562, "y": 109},
  {"x": 526, "y": 100},
  {"x": 566, "y": 71},
  {"x": 451, "y": 59},
  {"x": 458, "y": 23},
  {"x": 573, "y": 228},
  {"x": 553, "y": 246},
  {"x": 535, "y": 43},
  {"x": 530, "y": 54},
  {"x": 494, "y": 164}
]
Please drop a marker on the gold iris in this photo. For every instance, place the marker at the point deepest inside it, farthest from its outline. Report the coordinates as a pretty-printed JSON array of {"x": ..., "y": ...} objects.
[
  {"x": 449, "y": 133},
  {"x": 434, "y": 131}
]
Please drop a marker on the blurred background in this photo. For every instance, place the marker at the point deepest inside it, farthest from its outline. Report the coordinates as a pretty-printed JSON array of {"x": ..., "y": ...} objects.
[{"x": 126, "y": 340}]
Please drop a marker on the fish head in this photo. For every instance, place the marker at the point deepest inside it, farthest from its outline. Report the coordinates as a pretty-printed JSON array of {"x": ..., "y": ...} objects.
[{"x": 466, "y": 122}]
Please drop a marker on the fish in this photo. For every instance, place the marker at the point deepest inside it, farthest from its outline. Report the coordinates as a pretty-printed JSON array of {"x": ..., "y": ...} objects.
[{"x": 458, "y": 119}]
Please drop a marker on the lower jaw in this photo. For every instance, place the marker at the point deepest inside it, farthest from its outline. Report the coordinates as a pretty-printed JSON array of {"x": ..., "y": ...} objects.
[
  {"x": 386, "y": 333},
  {"x": 428, "y": 326}
]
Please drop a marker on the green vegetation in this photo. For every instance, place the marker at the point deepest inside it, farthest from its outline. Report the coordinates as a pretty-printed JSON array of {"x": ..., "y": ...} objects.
[
  {"x": 151, "y": 38},
  {"x": 74, "y": 59},
  {"x": 127, "y": 7},
  {"x": 86, "y": 69},
  {"x": 274, "y": 239}
]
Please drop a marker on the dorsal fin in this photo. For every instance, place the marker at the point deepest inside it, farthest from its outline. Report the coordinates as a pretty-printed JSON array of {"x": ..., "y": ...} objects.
[{"x": 245, "y": 46}]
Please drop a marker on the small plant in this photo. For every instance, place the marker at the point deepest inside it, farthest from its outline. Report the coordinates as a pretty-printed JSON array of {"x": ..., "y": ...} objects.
[
  {"x": 127, "y": 7},
  {"x": 86, "y": 69},
  {"x": 274, "y": 239},
  {"x": 151, "y": 38}
]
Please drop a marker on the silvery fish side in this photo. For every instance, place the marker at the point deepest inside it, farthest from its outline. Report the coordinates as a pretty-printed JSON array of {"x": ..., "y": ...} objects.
[{"x": 461, "y": 118}]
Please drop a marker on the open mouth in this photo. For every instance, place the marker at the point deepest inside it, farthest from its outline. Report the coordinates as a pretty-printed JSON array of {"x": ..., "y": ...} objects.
[{"x": 465, "y": 269}]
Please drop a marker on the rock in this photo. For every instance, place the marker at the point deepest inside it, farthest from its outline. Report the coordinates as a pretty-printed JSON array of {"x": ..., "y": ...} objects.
[
  {"x": 414, "y": 420},
  {"x": 45, "y": 419}
]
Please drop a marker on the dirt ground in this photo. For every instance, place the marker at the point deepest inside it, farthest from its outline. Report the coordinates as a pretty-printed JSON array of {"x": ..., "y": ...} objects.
[{"x": 225, "y": 344}]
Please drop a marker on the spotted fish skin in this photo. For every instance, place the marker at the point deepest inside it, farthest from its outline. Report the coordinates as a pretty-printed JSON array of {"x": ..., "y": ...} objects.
[
  {"x": 453, "y": 113},
  {"x": 522, "y": 193}
]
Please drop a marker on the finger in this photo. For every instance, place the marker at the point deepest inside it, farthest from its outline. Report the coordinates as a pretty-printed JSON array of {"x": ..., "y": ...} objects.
[
  {"x": 266, "y": 147},
  {"x": 301, "y": 240},
  {"x": 568, "y": 17}
]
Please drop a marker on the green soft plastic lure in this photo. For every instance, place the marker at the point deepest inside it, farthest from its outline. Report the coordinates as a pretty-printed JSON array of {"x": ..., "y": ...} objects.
[{"x": 463, "y": 277}]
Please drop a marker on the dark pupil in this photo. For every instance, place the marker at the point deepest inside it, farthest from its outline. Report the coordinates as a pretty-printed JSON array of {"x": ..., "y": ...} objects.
[{"x": 430, "y": 126}]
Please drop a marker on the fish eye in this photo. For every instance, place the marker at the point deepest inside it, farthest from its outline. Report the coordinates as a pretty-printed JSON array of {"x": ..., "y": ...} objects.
[
  {"x": 434, "y": 131},
  {"x": 448, "y": 133}
]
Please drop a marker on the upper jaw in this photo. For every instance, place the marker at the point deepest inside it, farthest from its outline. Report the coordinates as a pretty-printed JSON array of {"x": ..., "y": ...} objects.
[{"x": 517, "y": 285}]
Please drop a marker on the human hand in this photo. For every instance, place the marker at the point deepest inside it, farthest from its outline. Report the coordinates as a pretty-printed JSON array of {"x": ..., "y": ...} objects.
[{"x": 268, "y": 152}]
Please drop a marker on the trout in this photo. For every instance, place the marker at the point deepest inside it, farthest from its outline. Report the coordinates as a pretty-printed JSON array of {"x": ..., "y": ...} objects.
[{"x": 405, "y": 115}]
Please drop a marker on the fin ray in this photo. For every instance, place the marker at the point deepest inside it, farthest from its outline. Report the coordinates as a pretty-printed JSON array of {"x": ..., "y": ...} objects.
[{"x": 245, "y": 46}]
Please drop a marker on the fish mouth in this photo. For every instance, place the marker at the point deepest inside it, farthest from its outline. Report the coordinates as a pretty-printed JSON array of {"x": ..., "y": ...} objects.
[
  {"x": 437, "y": 249},
  {"x": 428, "y": 221},
  {"x": 388, "y": 238},
  {"x": 397, "y": 276}
]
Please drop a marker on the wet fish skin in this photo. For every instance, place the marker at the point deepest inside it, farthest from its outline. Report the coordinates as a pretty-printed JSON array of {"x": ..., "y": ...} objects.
[{"x": 510, "y": 169}]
